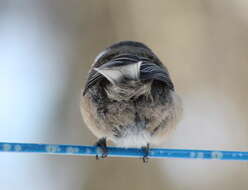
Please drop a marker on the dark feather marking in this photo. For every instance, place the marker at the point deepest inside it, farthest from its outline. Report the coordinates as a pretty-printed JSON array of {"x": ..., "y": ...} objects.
[
  {"x": 160, "y": 93},
  {"x": 116, "y": 132},
  {"x": 162, "y": 125},
  {"x": 149, "y": 71},
  {"x": 99, "y": 97},
  {"x": 93, "y": 78}
]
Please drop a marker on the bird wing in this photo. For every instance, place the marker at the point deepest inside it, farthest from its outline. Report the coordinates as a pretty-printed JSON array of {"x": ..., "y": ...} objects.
[
  {"x": 150, "y": 70},
  {"x": 93, "y": 78}
]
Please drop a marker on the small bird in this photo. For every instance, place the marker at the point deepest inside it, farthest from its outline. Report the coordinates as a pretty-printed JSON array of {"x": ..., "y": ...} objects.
[{"x": 129, "y": 98}]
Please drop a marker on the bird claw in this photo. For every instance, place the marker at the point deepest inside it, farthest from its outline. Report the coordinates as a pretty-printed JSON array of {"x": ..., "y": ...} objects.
[
  {"x": 146, "y": 150},
  {"x": 102, "y": 144}
]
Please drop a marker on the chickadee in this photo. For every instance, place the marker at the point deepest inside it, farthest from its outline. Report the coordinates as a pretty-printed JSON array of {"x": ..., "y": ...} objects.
[{"x": 129, "y": 98}]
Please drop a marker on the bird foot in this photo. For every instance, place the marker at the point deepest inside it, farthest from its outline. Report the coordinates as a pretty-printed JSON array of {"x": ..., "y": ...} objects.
[
  {"x": 146, "y": 150},
  {"x": 102, "y": 144}
]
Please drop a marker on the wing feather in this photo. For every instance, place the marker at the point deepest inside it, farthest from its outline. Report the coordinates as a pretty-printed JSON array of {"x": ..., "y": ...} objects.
[
  {"x": 149, "y": 70},
  {"x": 93, "y": 78}
]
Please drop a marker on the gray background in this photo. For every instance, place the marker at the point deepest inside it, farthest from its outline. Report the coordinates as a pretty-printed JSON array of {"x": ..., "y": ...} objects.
[{"x": 46, "y": 48}]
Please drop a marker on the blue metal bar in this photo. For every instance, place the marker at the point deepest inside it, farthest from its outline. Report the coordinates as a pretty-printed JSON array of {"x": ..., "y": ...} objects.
[{"x": 79, "y": 150}]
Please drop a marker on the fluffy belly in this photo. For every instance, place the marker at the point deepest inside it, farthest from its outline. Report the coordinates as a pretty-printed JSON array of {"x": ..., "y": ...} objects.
[{"x": 133, "y": 139}]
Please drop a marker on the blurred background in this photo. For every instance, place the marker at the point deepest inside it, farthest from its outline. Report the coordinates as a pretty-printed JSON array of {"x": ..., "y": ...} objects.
[{"x": 46, "y": 49}]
